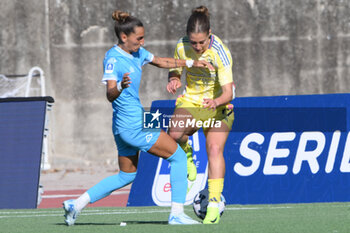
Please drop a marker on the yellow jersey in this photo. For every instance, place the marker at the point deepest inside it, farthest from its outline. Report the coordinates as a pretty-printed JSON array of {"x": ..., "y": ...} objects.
[{"x": 203, "y": 83}]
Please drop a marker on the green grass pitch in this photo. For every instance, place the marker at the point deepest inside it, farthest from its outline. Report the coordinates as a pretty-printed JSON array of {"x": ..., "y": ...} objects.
[{"x": 316, "y": 217}]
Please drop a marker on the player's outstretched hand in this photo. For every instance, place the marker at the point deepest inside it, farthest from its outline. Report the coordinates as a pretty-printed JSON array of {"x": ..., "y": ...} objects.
[
  {"x": 173, "y": 85},
  {"x": 203, "y": 64}
]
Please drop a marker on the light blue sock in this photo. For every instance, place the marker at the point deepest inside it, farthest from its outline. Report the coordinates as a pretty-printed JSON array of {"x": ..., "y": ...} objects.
[
  {"x": 178, "y": 175},
  {"x": 109, "y": 184}
]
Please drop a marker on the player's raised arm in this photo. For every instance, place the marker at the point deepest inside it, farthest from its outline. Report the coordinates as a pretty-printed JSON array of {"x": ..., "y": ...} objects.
[{"x": 168, "y": 62}]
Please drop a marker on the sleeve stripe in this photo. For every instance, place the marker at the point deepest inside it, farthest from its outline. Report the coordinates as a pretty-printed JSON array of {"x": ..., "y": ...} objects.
[
  {"x": 222, "y": 53},
  {"x": 105, "y": 78}
]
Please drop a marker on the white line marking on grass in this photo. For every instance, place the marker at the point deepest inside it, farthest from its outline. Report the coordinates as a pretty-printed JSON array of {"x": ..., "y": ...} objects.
[
  {"x": 30, "y": 216},
  {"x": 78, "y": 195},
  {"x": 84, "y": 213},
  {"x": 88, "y": 210},
  {"x": 257, "y": 208},
  {"x": 131, "y": 210}
]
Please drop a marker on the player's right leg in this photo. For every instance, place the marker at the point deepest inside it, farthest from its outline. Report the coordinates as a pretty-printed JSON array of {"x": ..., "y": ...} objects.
[
  {"x": 102, "y": 189},
  {"x": 168, "y": 149},
  {"x": 71, "y": 213},
  {"x": 127, "y": 174}
]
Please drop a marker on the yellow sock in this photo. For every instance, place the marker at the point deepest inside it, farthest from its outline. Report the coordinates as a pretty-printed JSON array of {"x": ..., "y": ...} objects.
[
  {"x": 215, "y": 187},
  {"x": 186, "y": 147}
]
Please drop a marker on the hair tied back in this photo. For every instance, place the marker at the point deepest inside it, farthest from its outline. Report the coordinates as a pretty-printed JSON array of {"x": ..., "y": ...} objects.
[{"x": 120, "y": 16}]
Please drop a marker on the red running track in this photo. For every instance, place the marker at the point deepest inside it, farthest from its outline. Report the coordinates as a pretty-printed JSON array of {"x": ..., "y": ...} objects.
[{"x": 54, "y": 199}]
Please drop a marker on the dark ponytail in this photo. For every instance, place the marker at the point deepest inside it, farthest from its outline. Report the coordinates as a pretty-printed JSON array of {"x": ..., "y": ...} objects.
[{"x": 125, "y": 23}]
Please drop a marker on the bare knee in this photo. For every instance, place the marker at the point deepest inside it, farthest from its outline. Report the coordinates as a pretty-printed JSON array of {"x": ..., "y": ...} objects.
[
  {"x": 128, "y": 164},
  {"x": 176, "y": 135},
  {"x": 214, "y": 150}
]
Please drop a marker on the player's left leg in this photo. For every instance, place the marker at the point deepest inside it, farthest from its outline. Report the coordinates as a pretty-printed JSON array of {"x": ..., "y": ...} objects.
[
  {"x": 215, "y": 143},
  {"x": 181, "y": 134}
]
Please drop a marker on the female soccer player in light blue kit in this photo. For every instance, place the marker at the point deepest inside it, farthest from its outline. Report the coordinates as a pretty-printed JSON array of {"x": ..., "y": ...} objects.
[{"x": 122, "y": 74}]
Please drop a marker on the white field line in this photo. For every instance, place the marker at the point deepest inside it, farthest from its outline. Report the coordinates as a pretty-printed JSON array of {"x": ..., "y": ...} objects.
[
  {"x": 97, "y": 213},
  {"x": 56, "y": 213},
  {"x": 101, "y": 212},
  {"x": 77, "y": 195},
  {"x": 126, "y": 210}
]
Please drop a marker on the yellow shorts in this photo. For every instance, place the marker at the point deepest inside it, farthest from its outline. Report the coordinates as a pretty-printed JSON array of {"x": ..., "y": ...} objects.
[{"x": 209, "y": 118}]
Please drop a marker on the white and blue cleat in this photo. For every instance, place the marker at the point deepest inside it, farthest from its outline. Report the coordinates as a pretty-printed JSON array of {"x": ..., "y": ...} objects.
[
  {"x": 71, "y": 213},
  {"x": 181, "y": 219}
]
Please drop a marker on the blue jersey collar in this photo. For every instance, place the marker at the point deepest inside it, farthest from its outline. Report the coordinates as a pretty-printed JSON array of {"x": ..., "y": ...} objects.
[{"x": 122, "y": 52}]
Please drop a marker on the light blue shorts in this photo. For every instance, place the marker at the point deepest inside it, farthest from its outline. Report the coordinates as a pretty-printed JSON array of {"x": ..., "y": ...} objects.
[{"x": 129, "y": 142}]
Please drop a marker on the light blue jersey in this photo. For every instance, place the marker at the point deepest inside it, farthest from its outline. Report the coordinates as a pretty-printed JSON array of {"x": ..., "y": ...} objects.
[{"x": 127, "y": 108}]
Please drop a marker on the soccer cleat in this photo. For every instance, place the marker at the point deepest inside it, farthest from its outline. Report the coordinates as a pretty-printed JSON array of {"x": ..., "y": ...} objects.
[
  {"x": 71, "y": 213},
  {"x": 212, "y": 216},
  {"x": 191, "y": 167},
  {"x": 181, "y": 219}
]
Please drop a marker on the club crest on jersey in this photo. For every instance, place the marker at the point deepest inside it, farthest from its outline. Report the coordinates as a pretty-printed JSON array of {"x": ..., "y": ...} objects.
[
  {"x": 110, "y": 65},
  {"x": 109, "y": 68}
]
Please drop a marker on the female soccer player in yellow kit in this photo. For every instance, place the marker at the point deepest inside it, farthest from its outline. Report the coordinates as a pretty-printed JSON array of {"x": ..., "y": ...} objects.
[{"x": 207, "y": 96}]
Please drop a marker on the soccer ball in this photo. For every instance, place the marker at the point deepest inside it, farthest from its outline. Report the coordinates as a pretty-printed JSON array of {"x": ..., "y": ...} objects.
[{"x": 200, "y": 203}]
